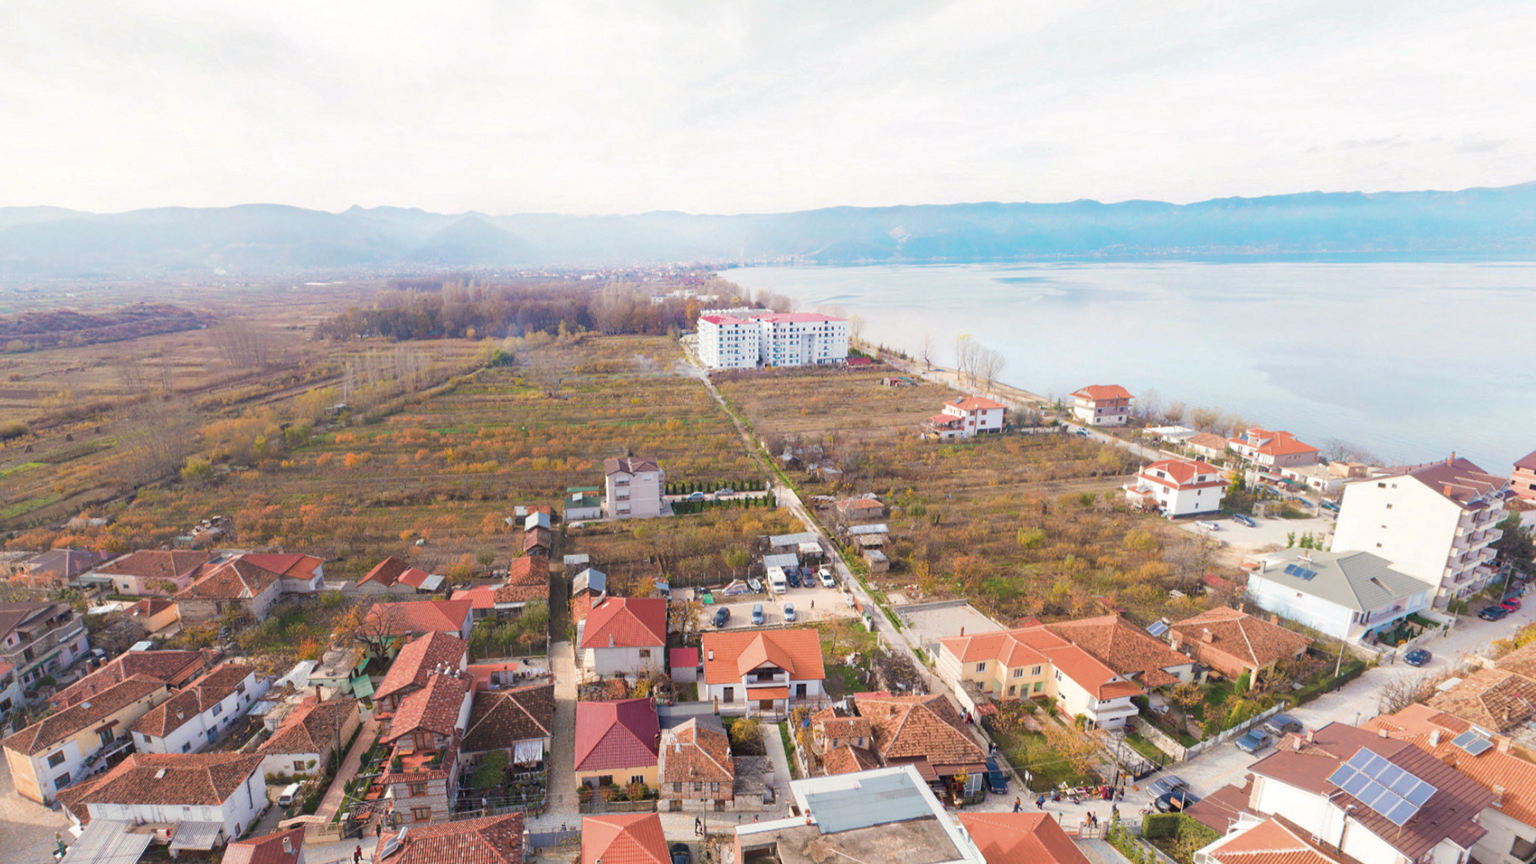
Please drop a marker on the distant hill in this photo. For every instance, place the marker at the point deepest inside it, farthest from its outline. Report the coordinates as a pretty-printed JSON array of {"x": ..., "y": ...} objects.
[
  {"x": 265, "y": 239},
  {"x": 34, "y": 330}
]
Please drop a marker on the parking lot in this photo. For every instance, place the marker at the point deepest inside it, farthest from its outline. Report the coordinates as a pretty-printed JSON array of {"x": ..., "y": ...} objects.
[
  {"x": 1268, "y": 533},
  {"x": 811, "y": 604}
]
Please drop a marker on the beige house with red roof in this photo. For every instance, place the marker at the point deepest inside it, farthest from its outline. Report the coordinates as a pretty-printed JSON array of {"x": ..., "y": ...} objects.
[
  {"x": 967, "y": 417},
  {"x": 488, "y": 840},
  {"x": 1233, "y": 642},
  {"x": 302, "y": 574},
  {"x": 155, "y": 614},
  {"x": 623, "y": 838},
  {"x": 198, "y": 714},
  {"x": 617, "y": 743},
  {"x": 765, "y": 672},
  {"x": 1176, "y": 488},
  {"x": 694, "y": 767},
  {"x": 1022, "y": 838},
  {"x": 308, "y": 736},
  {"x": 519, "y": 722},
  {"x": 1207, "y": 445},
  {"x": 421, "y": 658},
  {"x": 1522, "y": 481},
  {"x": 1273, "y": 450},
  {"x": 623, "y": 635},
  {"x": 1035, "y": 662},
  {"x": 1102, "y": 405},
  {"x": 153, "y": 572},
  {"x": 634, "y": 488},
  {"x": 426, "y": 732},
  {"x": 235, "y": 584}
]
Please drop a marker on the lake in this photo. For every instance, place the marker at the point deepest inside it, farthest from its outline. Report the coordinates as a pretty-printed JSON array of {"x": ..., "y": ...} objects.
[{"x": 1407, "y": 361}]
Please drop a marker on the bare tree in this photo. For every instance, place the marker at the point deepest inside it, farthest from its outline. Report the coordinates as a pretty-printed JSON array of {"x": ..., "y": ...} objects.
[
  {"x": 1149, "y": 404},
  {"x": 989, "y": 365},
  {"x": 1174, "y": 412},
  {"x": 241, "y": 345},
  {"x": 965, "y": 355},
  {"x": 153, "y": 438},
  {"x": 1400, "y": 692},
  {"x": 925, "y": 351},
  {"x": 856, "y": 325}
]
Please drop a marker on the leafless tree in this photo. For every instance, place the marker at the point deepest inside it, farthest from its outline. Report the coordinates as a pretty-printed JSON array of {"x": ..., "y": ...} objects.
[
  {"x": 925, "y": 351},
  {"x": 965, "y": 355},
  {"x": 130, "y": 376},
  {"x": 989, "y": 365},
  {"x": 153, "y": 438},
  {"x": 241, "y": 345},
  {"x": 1398, "y": 693},
  {"x": 856, "y": 325},
  {"x": 1175, "y": 412},
  {"x": 1149, "y": 404}
]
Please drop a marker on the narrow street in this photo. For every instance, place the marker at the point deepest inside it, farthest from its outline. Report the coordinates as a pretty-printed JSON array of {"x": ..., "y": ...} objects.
[{"x": 561, "y": 780}]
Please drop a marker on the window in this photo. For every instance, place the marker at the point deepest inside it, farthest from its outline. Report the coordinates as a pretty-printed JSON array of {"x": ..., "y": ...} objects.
[
  {"x": 217, "y": 710},
  {"x": 799, "y": 691},
  {"x": 728, "y": 694},
  {"x": 677, "y": 787},
  {"x": 1058, "y": 674},
  {"x": 421, "y": 814},
  {"x": 1013, "y": 689},
  {"x": 981, "y": 667},
  {"x": 637, "y": 778},
  {"x": 698, "y": 787},
  {"x": 1035, "y": 672},
  {"x": 298, "y": 764},
  {"x": 645, "y": 653},
  {"x": 1389, "y": 506},
  {"x": 1019, "y": 672},
  {"x": 187, "y": 747},
  {"x": 416, "y": 790},
  {"x": 240, "y": 688},
  {"x": 56, "y": 759},
  {"x": 1039, "y": 685}
]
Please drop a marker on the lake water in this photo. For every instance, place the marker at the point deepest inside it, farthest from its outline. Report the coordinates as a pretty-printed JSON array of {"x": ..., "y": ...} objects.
[{"x": 1408, "y": 361}]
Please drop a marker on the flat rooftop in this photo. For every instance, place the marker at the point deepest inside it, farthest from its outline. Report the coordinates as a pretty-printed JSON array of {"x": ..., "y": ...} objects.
[{"x": 918, "y": 841}]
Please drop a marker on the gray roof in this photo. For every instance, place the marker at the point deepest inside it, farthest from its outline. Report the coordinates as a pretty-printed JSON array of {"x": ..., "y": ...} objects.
[
  {"x": 589, "y": 579},
  {"x": 779, "y": 541},
  {"x": 1355, "y": 580},
  {"x": 856, "y": 530},
  {"x": 786, "y": 560},
  {"x": 108, "y": 841},
  {"x": 872, "y": 800}
]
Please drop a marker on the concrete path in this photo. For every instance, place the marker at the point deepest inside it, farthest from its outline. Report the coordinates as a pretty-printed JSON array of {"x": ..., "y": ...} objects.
[
  {"x": 563, "y": 808},
  {"x": 1100, "y": 852},
  {"x": 28, "y": 828},
  {"x": 326, "y": 853},
  {"x": 331, "y": 803},
  {"x": 781, "y": 773}
]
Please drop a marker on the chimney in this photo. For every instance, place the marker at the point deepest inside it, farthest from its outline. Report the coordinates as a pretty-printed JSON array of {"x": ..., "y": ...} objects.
[
  {"x": 1381, "y": 732},
  {"x": 1310, "y": 734},
  {"x": 962, "y": 630},
  {"x": 1274, "y": 619},
  {"x": 711, "y": 655},
  {"x": 1452, "y": 459},
  {"x": 1205, "y": 635},
  {"x": 1434, "y": 738},
  {"x": 1498, "y": 796},
  {"x": 1296, "y": 743},
  {"x": 610, "y": 640},
  {"x": 1504, "y": 744},
  {"x": 1449, "y": 490},
  {"x": 287, "y": 846}
]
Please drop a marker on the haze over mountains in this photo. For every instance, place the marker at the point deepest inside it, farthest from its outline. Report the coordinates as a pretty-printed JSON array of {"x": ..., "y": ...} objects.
[{"x": 42, "y": 243}]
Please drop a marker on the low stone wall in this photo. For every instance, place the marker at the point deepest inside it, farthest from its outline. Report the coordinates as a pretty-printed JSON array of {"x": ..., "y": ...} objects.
[{"x": 1161, "y": 740}]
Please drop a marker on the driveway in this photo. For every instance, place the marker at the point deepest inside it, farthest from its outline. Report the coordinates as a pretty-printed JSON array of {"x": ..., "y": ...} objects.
[
  {"x": 1243, "y": 541},
  {"x": 563, "y": 809},
  {"x": 29, "y": 828},
  {"x": 811, "y": 604}
]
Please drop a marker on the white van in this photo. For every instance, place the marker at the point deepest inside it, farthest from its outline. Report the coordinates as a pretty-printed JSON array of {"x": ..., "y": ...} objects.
[
  {"x": 777, "y": 583},
  {"x": 290, "y": 792}
]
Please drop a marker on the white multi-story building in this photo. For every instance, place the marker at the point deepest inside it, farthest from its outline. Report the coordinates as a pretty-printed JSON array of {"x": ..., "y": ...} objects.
[
  {"x": 635, "y": 488},
  {"x": 763, "y": 672},
  {"x": 1178, "y": 488},
  {"x": 748, "y": 339},
  {"x": 216, "y": 795},
  {"x": 1346, "y": 595},
  {"x": 200, "y": 712},
  {"x": 967, "y": 418},
  {"x": 1435, "y": 522},
  {"x": 1102, "y": 405}
]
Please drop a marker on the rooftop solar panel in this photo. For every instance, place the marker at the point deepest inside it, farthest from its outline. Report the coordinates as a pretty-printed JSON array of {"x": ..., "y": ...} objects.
[
  {"x": 1382, "y": 786},
  {"x": 1356, "y": 784},
  {"x": 1472, "y": 743},
  {"x": 1420, "y": 794}
]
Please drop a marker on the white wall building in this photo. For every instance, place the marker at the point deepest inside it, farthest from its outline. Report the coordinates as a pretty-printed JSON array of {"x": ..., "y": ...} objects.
[
  {"x": 727, "y": 342},
  {"x": 1178, "y": 488},
  {"x": 746, "y": 339},
  {"x": 634, "y": 488},
  {"x": 198, "y": 714},
  {"x": 1346, "y": 595},
  {"x": 1435, "y": 522},
  {"x": 217, "y": 789},
  {"x": 967, "y": 418},
  {"x": 762, "y": 672},
  {"x": 1102, "y": 405}
]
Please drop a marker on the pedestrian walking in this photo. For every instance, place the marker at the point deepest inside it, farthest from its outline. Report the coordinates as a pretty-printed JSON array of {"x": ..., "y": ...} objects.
[
  {"x": 1040, "y": 803},
  {"x": 1017, "y": 804},
  {"x": 698, "y": 826},
  {"x": 378, "y": 829},
  {"x": 357, "y": 854}
]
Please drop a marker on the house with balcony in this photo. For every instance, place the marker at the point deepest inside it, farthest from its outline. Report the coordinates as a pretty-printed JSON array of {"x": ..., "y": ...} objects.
[
  {"x": 765, "y": 672},
  {"x": 616, "y": 743},
  {"x": 1522, "y": 481},
  {"x": 1034, "y": 662},
  {"x": 152, "y": 572},
  {"x": 210, "y": 798},
  {"x": 426, "y": 733},
  {"x": 1346, "y": 595},
  {"x": 1271, "y": 451},
  {"x": 41, "y": 639},
  {"x": 1235, "y": 643},
  {"x": 966, "y": 417},
  {"x": 420, "y": 659},
  {"x": 1435, "y": 522},
  {"x": 518, "y": 721},
  {"x": 1177, "y": 488},
  {"x": 1102, "y": 405},
  {"x": 623, "y": 635},
  {"x": 309, "y": 736},
  {"x": 634, "y": 488},
  {"x": 198, "y": 714},
  {"x": 173, "y": 668},
  {"x": 10, "y": 689},
  {"x": 695, "y": 768},
  {"x": 62, "y": 748}
]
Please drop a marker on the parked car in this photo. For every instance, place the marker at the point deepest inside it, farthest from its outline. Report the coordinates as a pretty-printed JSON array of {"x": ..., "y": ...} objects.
[
  {"x": 722, "y": 615},
  {"x": 789, "y": 612},
  {"x": 289, "y": 795},
  {"x": 794, "y": 578},
  {"x": 827, "y": 579},
  {"x": 1209, "y": 525},
  {"x": 1253, "y": 741},
  {"x": 997, "y": 781},
  {"x": 696, "y": 496},
  {"x": 1242, "y": 519},
  {"x": 1329, "y": 505},
  {"x": 722, "y": 493},
  {"x": 1511, "y": 603},
  {"x": 680, "y": 853},
  {"x": 757, "y": 614},
  {"x": 1282, "y": 724},
  {"x": 1082, "y": 433},
  {"x": 1493, "y": 613},
  {"x": 1174, "y": 802},
  {"x": 756, "y": 586},
  {"x": 1417, "y": 657},
  {"x": 1167, "y": 783}
]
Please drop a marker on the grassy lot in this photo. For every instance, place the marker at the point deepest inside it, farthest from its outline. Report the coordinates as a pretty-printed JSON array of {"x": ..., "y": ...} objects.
[
  {"x": 1032, "y": 752},
  {"x": 839, "y": 639}
]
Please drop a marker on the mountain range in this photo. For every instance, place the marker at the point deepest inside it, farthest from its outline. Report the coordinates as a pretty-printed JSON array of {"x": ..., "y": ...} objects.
[{"x": 45, "y": 243}]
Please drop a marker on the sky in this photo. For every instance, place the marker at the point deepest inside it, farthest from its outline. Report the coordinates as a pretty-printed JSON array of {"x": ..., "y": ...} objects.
[{"x": 735, "y": 107}]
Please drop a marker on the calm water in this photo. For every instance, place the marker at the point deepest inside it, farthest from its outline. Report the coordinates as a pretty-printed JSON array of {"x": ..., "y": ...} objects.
[{"x": 1406, "y": 361}]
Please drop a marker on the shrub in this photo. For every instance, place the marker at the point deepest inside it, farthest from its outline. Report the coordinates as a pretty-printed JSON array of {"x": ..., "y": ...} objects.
[{"x": 12, "y": 429}]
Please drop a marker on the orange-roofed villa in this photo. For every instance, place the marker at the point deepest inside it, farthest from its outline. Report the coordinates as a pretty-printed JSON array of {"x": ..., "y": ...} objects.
[
  {"x": 966, "y": 417},
  {"x": 1102, "y": 405},
  {"x": 1034, "y": 662}
]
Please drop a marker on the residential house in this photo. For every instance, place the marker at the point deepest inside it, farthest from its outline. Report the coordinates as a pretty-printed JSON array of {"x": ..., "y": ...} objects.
[
  {"x": 616, "y": 743},
  {"x": 1128, "y": 650},
  {"x": 1177, "y": 488},
  {"x": 1318, "y": 478},
  {"x": 848, "y": 759},
  {"x": 518, "y": 721},
  {"x": 1522, "y": 481},
  {"x": 832, "y": 729},
  {"x": 423, "y": 616},
  {"x": 10, "y": 690},
  {"x": 155, "y": 614},
  {"x": 1102, "y": 405},
  {"x": 694, "y": 766},
  {"x": 420, "y": 659},
  {"x": 888, "y": 814},
  {"x": 57, "y": 567},
  {"x": 685, "y": 665},
  {"x": 341, "y": 670},
  {"x": 623, "y": 838},
  {"x": 279, "y": 847},
  {"x": 1347, "y": 595},
  {"x": 861, "y": 509},
  {"x": 198, "y": 714},
  {"x": 61, "y": 748},
  {"x": 229, "y": 586},
  {"x": 301, "y": 574},
  {"x": 1488, "y": 759},
  {"x": 1234, "y": 643},
  {"x": 41, "y": 639},
  {"x": 488, "y": 840},
  {"x": 966, "y": 417},
  {"x": 634, "y": 488},
  {"x": 586, "y": 586},
  {"x": 1435, "y": 522},
  {"x": 309, "y": 737},
  {"x": 537, "y": 543},
  {"x": 153, "y": 572},
  {"x": 1374, "y": 799},
  {"x": 1208, "y": 446},
  {"x": 173, "y": 668},
  {"x": 923, "y": 731},
  {"x": 1276, "y": 840},
  {"x": 393, "y": 576},
  {"x": 215, "y": 796},
  {"x": 623, "y": 635},
  {"x": 1035, "y": 662},
  {"x": 1024, "y": 838},
  {"x": 746, "y": 339},
  {"x": 1272, "y": 450},
  {"x": 426, "y": 731},
  {"x": 762, "y": 672}
]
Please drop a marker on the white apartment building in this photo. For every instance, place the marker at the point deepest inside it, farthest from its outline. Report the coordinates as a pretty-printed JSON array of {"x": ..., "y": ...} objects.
[
  {"x": 967, "y": 418},
  {"x": 1435, "y": 522},
  {"x": 200, "y": 712},
  {"x": 1102, "y": 405},
  {"x": 635, "y": 488},
  {"x": 1178, "y": 488},
  {"x": 749, "y": 339}
]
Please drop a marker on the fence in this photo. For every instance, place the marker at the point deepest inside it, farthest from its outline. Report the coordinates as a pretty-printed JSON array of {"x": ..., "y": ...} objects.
[
  {"x": 1161, "y": 740},
  {"x": 1235, "y": 731}
]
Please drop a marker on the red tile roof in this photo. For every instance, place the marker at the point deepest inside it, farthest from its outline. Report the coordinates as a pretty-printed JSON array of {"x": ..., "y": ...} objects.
[
  {"x": 919, "y": 727},
  {"x": 613, "y": 735},
  {"x": 386, "y": 572},
  {"x": 729, "y": 656},
  {"x": 1275, "y": 841},
  {"x": 174, "y": 779},
  {"x": 86, "y": 714},
  {"x": 1275, "y": 443},
  {"x": 976, "y": 403},
  {"x": 310, "y": 728},
  {"x": 623, "y": 838},
  {"x": 199, "y": 696},
  {"x": 1123, "y": 647},
  {"x": 169, "y": 667},
  {"x": 527, "y": 579},
  {"x": 291, "y": 565},
  {"x": 237, "y": 579},
  {"x": 685, "y": 658},
  {"x": 1253, "y": 641},
  {"x": 419, "y": 658},
  {"x": 1182, "y": 473},
  {"x": 267, "y": 849},
  {"x": 1460, "y": 480},
  {"x": 1100, "y": 392},
  {"x": 629, "y": 465},
  {"x": 1021, "y": 838},
  {"x": 490, "y": 840},
  {"x": 1496, "y": 768},
  {"x": 626, "y": 622},
  {"x": 501, "y": 718},
  {"x": 151, "y": 564},
  {"x": 1039, "y": 645},
  {"x": 696, "y": 751},
  {"x": 422, "y": 616},
  {"x": 1528, "y": 462},
  {"x": 848, "y": 759},
  {"x": 433, "y": 708}
]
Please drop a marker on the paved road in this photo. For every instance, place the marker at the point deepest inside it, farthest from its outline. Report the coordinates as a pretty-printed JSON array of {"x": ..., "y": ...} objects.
[
  {"x": 563, "y": 809},
  {"x": 28, "y": 829}
]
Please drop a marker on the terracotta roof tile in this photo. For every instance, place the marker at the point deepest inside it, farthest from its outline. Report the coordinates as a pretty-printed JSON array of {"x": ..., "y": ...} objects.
[
  {"x": 632, "y": 838},
  {"x": 626, "y": 622},
  {"x": 1252, "y": 640},
  {"x": 56, "y": 727},
  {"x": 501, "y": 718},
  {"x": 169, "y": 667},
  {"x": 310, "y": 728},
  {"x": 419, "y": 658},
  {"x": 1433, "y": 732},
  {"x": 386, "y": 572},
  {"x": 527, "y": 579},
  {"x": 490, "y": 840},
  {"x": 1021, "y": 838},
  {"x": 1521, "y": 661},
  {"x": 232, "y": 580},
  {"x": 1491, "y": 698},
  {"x": 192, "y": 700},
  {"x": 1098, "y": 392},
  {"x": 918, "y": 727},
  {"x": 1274, "y": 841},
  {"x": 433, "y": 708},
  {"x": 267, "y": 849},
  {"x": 149, "y": 564},
  {"x": 621, "y": 734},
  {"x": 176, "y": 779},
  {"x": 848, "y": 760},
  {"x": 422, "y": 616},
  {"x": 696, "y": 751},
  {"x": 1125, "y": 648},
  {"x": 289, "y": 565},
  {"x": 723, "y": 653}
]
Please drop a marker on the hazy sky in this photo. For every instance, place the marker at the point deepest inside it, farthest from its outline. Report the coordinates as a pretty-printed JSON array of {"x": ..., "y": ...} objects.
[{"x": 727, "y": 107}]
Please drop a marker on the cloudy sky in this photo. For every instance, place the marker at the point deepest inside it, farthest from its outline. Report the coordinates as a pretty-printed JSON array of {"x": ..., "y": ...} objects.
[{"x": 729, "y": 107}]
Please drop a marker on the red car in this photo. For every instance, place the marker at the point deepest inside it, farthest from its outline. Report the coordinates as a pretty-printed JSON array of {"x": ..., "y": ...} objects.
[{"x": 1511, "y": 603}]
